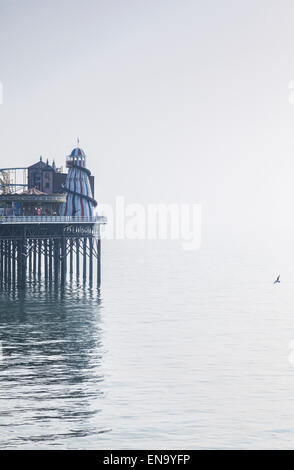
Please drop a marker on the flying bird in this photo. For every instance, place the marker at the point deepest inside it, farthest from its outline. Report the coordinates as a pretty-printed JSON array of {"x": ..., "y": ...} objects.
[{"x": 277, "y": 281}]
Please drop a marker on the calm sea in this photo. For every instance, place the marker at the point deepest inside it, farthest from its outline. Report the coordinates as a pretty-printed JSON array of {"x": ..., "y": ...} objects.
[{"x": 178, "y": 350}]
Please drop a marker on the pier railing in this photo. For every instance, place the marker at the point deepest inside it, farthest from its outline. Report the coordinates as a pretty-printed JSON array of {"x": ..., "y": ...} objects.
[{"x": 52, "y": 219}]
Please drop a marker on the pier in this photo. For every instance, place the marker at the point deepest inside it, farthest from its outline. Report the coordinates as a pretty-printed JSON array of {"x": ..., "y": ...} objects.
[{"x": 54, "y": 234}]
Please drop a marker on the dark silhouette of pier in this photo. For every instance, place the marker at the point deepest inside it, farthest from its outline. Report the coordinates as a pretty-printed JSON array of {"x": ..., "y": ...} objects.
[
  {"x": 51, "y": 247},
  {"x": 49, "y": 229}
]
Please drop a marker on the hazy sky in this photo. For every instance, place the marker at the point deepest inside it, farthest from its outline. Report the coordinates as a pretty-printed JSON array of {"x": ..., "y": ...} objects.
[{"x": 173, "y": 100}]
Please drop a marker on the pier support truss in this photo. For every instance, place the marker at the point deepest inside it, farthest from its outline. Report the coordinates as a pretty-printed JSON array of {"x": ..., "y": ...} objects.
[{"x": 50, "y": 251}]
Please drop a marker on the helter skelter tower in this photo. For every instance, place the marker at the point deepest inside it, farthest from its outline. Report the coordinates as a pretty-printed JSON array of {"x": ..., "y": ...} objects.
[{"x": 79, "y": 201}]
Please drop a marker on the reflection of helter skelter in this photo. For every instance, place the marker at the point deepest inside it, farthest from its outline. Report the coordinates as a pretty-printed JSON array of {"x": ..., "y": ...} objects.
[{"x": 79, "y": 201}]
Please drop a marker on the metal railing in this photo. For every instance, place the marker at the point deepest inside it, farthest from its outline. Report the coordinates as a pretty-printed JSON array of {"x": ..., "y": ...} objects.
[{"x": 52, "y": 219}]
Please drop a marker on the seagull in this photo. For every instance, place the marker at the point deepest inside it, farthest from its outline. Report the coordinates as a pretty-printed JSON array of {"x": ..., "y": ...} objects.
[{"x": 277, "y": 281}]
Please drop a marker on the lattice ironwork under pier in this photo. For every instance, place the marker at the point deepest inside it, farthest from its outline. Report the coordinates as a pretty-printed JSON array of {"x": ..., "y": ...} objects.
[{"x": 50, "y": 249}]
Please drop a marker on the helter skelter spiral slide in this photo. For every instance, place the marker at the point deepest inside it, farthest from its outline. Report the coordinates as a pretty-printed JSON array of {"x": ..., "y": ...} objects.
[{"x": 79, "y": 200}]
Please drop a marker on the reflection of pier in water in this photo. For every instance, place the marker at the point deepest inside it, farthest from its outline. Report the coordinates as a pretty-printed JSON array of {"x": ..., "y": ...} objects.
[
  {"x": 51, "y": 383},
  {"x": 50, "y": 247}
]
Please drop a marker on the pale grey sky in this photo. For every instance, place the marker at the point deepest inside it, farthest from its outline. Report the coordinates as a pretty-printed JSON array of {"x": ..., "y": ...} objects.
[{"x": 173, "y": 100}]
